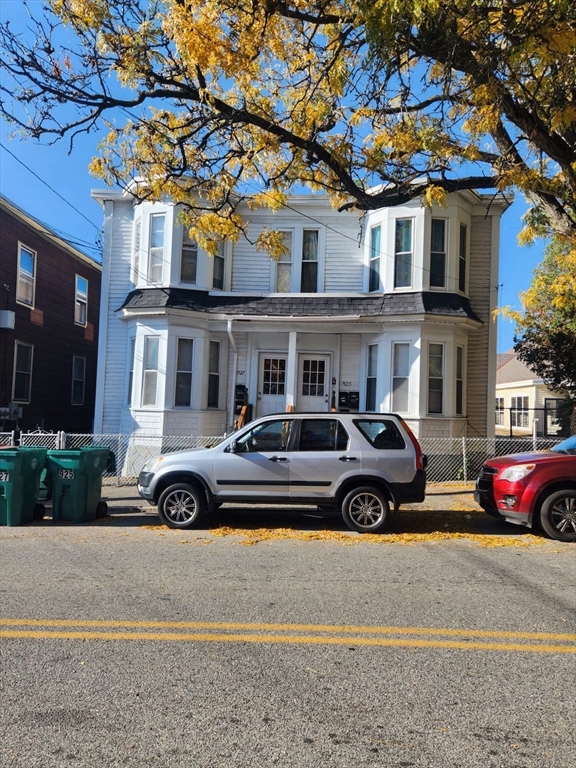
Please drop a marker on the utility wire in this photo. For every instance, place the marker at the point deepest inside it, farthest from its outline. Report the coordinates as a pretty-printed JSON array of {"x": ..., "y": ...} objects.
[{"x": 49, "y": 187}]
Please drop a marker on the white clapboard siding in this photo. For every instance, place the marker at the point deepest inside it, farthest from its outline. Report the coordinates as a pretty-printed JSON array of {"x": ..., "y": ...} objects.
[
  {"x": 350, "y": 346},
  {"x": 117, "y": 340}
]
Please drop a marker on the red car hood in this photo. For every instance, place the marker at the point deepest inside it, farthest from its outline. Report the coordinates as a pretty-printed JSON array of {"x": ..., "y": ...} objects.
[{"x": 523, "y": 458}]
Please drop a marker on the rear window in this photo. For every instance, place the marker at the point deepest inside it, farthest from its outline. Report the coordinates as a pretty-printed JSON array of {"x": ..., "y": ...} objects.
[{"x": 381, "y": 434}]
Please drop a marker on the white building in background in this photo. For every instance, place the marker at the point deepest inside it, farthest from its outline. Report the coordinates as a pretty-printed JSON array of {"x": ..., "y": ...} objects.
[
  {"x": 524, "y": 404},
  {"x": 387, "y": 311}
]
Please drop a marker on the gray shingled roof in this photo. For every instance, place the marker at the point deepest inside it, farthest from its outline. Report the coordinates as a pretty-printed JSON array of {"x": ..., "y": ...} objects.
[{"x": 320, "y": 305}]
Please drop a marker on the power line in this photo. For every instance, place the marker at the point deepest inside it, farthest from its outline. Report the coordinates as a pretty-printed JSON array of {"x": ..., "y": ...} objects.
[{"x": 49, "y": 187}]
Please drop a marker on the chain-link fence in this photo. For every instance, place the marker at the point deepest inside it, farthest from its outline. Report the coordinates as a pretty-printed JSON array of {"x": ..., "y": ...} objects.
[
  {"x": 449, "y": 459},
  {"x": 461, "y": 458}
]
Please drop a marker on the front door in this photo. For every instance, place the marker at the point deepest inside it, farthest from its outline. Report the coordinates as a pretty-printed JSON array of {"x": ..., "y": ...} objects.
[
  {"x": 313, "y": 383},
  {"x": 271, "y": 384}
]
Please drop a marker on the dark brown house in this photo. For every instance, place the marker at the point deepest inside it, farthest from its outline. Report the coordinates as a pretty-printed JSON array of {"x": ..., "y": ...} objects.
[{"x": 49, "y": 308}]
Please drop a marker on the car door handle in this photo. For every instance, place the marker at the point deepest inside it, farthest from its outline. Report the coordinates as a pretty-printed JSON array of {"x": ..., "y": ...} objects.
[
  {"x": 347, "y": 458},
  {"x": 277, "y": 458}
]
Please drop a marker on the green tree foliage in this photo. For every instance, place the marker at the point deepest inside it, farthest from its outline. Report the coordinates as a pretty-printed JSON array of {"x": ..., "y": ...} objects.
[{"x": 374, "y": 101}]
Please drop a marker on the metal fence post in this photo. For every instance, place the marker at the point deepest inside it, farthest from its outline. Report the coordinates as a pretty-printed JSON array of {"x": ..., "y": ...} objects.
[{"x": 464, "y": 460}]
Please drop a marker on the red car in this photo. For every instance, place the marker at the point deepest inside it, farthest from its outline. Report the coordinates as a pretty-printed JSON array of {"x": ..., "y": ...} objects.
[{"x": 533, "y": 488}]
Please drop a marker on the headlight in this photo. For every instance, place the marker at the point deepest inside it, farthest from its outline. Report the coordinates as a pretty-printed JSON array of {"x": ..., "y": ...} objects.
[
  {"x": 517, "y": 473},
  {"x": 152, "y": 463}
]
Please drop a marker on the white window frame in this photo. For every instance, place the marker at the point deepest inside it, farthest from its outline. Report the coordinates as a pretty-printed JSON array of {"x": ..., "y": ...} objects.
[
  {"x": 459, "y": 379},
  {"x": 26, "y": 373},
  {"x": 440, "y": 378},
  {"x": 187, "y": 372},
  {"x": 81, "y": 302},
  {"x": 214, "y": 374},
  {"x": 150, "y": 373},
  {"x": 296, "y": 260},
  {"x": 520, "y": 411},
  {"x": 444, "y": 253},
  {"x": 136, "y": 251},
  {"x": 399, "y": 254},
  {"x": 74, "y": 379},
  {"x": 375, "y": 259},
  {"x": 155, "y": 251},
  {"x": 400, "y": 377},
  {"x": 499, "y": 420},
  {"x": 220, "y": 259},
  {"x": 371, "y": 376},
  {"x": 462, "y": 277},
  {"x": 26, "y": 281},
  {"x": 131, "y": 364},
  {"x": 310, "y": 261},
  {"x": 191, "y": 247}
]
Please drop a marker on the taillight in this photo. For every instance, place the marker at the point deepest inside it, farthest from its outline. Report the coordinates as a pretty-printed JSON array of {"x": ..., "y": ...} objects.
[{"x": 415, "y": 443}]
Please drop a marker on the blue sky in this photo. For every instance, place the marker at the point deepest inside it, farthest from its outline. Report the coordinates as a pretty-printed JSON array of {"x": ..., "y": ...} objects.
[{"x": 53, "y": 185}]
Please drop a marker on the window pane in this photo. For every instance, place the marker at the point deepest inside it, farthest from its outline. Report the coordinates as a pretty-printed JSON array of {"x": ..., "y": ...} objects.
[
  {"x": 437, "y": 236},
  {"x": 184, "y": 361},
  {"x": 151, "y": 353},
  {"x": 213, "y": 387},
  {"x": 23, "y": 357},
  {"x": 435, "y": 360},
  {"x": 26, "y": 271},
  {"x": 283, "y": 277},
  {"x": 383, "y": 435},
  {"x": 218, "y": 276},
  {"x": 183, "y": 389},
  {"x": 271, "y": 436},
  {"x": 403, "y": 235},
  {"x": 462, "y": 259},
  {"x": 214, "y": 364},
  {"x": 79, "y": 365},
  {"x": 372, "y": 359},
  {"x": 309, "y": 277},
  {"x": 435, "y": 387},
  {"x": 157, "y": 231},
  {"x": 310, "y": 245},
  {"x": 437, "y": 270},
  {"x": 322, "y": 435},
  {"x": 188, "y": 263},
  {"x": 401, "y": 359},
  {"x": 371, "y": 394},
  {"x": 400, "y": 391},
  {"x": 149, "y": 390},
  {"x": 374, "y": 284}
]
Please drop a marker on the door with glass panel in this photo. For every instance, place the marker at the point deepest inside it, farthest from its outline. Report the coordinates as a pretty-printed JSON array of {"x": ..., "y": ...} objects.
[
  {"x": 271, "y": 396},
  {"x": 313, "y": 383}
]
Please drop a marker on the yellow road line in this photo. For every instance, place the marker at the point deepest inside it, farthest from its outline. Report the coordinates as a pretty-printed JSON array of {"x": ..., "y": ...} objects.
[
  {"x": 270, "y": 627},
  {"x": 286, "y": 639}
]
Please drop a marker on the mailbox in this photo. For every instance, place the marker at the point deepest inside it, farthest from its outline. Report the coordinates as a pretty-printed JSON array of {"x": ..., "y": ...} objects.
[
  {"x": 348, "y": 401},
  {"x": 240, "y": 398}
]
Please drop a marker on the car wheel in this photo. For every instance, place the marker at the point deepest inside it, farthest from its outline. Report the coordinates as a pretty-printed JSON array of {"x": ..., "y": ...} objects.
[
  {"x": 365, "y": 510},
  {"x": 180, "y": 505},
  {"x": 558, "y": 515}
]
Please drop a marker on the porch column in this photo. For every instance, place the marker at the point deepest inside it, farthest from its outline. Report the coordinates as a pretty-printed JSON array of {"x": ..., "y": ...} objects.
[{"x": 291, "y": 372}]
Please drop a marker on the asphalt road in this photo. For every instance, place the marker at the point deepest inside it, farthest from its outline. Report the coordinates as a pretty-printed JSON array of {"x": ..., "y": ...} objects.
[{"x": 450, "y": 642}]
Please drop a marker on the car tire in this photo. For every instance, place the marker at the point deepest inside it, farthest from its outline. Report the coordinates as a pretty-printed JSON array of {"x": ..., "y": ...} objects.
[
  {"x": 180, "y": 505},
  {"x": 365, "y": 510},
  {"x": 558, "y": 515}
]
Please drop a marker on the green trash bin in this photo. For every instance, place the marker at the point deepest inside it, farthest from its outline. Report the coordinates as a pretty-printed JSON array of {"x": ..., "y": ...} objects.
[
  {"x": 77, "y": 483},
  {"x": 20, "y": 470}
]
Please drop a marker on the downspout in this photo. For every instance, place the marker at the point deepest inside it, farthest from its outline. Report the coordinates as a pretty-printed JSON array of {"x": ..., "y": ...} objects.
[
  {"x": 108, "y": 206},
  {"x": 234, "y": 369}
]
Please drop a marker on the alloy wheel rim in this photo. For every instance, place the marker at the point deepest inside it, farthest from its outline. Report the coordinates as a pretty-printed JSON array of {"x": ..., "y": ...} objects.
[
  {"x": 180, "y": 507},
  {"x": 366, "y": 510},
  {"x": 564, "y": 515}
]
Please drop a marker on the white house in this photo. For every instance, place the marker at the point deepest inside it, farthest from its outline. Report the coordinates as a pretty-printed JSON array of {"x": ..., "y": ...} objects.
[
  {"x": 523, "y": 402},
  {"x": 385, "y": 311}
]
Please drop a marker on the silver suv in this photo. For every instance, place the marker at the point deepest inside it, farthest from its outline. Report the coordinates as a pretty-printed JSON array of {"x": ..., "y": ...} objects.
[{"x": 362, "y": 463}]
